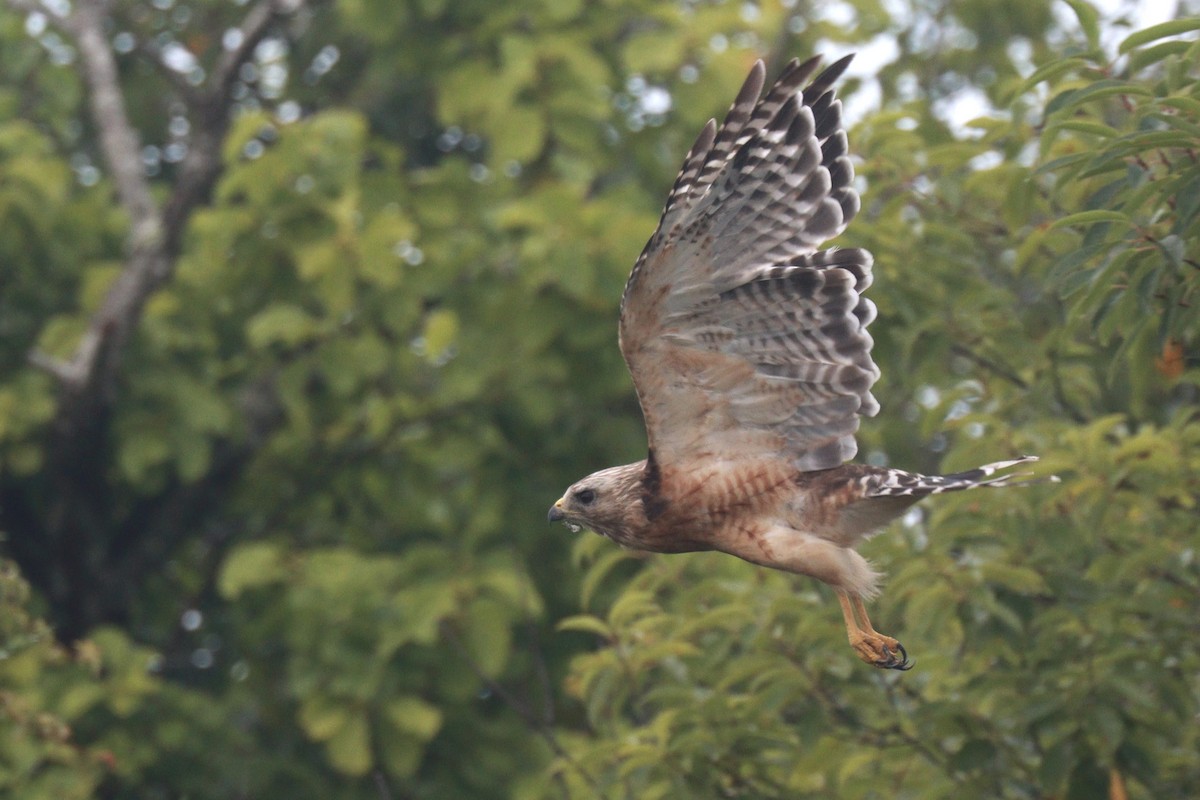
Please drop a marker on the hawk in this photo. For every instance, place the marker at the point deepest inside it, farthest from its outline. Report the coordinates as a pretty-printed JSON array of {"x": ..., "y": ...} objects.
[{"x": 749, "y": 351}]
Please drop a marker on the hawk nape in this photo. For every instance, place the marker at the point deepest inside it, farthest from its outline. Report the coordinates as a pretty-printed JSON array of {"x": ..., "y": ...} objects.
[{"x": 749, "y": 351}]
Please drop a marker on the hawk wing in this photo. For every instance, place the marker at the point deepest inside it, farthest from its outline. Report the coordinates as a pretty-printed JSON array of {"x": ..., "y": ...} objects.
[{"x": 748, "y": 345}]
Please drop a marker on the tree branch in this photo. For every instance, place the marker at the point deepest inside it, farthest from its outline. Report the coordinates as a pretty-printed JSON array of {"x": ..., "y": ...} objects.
[
  {"x": 146, "y": 264},
  {"x": 118, "y": 140}
]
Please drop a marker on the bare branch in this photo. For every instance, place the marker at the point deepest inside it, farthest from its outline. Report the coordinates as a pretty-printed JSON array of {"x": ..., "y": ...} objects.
[
  {"x": 63, "y": 371},
  {"x": 145, "y": 265},
  {"x": 118, "y": 139}
]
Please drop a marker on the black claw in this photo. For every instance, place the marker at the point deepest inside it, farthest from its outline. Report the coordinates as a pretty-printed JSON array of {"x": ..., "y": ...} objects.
[{"x": 889, "y": 661}]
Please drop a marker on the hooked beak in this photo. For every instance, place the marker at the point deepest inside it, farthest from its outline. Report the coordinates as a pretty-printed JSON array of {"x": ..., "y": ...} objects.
[{"x": 557, "y": 514}]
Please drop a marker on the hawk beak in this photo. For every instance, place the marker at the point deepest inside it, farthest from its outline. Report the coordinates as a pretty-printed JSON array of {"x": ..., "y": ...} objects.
[{"x": 556, "y": 512}]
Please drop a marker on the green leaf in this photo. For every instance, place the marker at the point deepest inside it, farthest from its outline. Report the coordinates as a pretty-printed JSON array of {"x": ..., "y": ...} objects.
[
  {"x": 1099, "y": 90},
  {"x": 414, "y": 716},
  {"x": 1089, "y": 20},
  {"x": 586, "y": 623},
  {"x": 974, "y": 755},
  {"x": 1179, "y": 123},
  {"x": 1141, "y": 59},
  {"x": 281, "y": 323},
  {"x": 487, "y": 635},
  {"x": 1021, "y": 580},
  {"x": 1057, "y": 764},
  {"x": 1188, "y": 105},
  {"x": 1162, "y": 30},
  {"x": 1052, "y": 71},
  {"x": 322, "y": 716},
  {"x": 250, "y": 566},
  {"x": 1091, "y": 218},
  {"x": 609, "y": 558},
  {"x": 517, "y": 135},
  {"x": 349, "y": 749},
  {"x": 316, "y": 260},
  {"x": 1074, "y": 159},
  {"x": 1104, "y": 728},
  {"x": 441, "y": 332},
  {"x": 1086, "y": 126},
  {"x": 855, "y": 763},
  {"x": 140, "y": 453},
  {"x": 1188, "y": 205},
  {"x": 401, "y": 755}
]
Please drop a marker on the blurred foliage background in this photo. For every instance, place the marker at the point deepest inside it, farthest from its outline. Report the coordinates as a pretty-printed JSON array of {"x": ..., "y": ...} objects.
[{"x": 288, "y": 539}]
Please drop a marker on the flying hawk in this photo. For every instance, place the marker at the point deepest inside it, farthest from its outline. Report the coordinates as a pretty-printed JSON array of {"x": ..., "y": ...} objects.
[{"x": 749, "y": 350}]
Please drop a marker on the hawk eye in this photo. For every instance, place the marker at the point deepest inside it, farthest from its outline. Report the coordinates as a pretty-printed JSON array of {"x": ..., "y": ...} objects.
[{"x": 585, "y": 497}]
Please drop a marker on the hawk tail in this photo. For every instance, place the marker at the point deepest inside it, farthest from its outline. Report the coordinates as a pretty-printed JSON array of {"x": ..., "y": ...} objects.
[{"x": 897, "y": 483}]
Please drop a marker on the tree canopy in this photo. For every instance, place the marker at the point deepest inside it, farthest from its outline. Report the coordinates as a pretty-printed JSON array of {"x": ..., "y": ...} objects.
[{"x": 308, "y": 312}]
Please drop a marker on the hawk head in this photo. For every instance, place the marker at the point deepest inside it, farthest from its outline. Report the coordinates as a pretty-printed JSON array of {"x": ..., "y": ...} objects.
[{"x": 608, "y": 502}]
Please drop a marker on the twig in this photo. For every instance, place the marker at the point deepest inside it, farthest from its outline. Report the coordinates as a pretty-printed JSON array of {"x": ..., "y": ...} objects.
[
  {"x": 179, "y": 82},
  {"x": 994, "y": 367},
  {"x": 521, "y": 708},
  {"x": 381, "y": 786},
  {"x": 253, "y": 28}
]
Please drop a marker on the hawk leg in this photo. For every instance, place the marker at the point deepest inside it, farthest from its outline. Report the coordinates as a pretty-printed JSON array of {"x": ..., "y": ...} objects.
[{"x": 870, "y": 645}]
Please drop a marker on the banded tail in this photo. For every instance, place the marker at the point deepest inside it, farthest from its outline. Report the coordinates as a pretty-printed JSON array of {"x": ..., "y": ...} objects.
[{"x": 897, "y": 483}]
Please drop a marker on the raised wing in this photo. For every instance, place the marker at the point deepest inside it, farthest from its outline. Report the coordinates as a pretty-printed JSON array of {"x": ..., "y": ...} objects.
[{"x": 747, "y": 344}]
